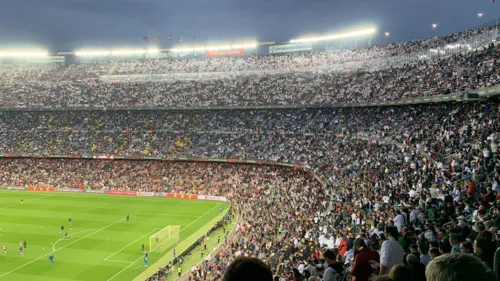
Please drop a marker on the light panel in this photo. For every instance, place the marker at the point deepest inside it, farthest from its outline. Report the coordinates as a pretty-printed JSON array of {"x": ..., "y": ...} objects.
[
  {"x": 215, "y": 47},
  {"x": 20, "y": 54},
  {"x": 362, "y": 32}
]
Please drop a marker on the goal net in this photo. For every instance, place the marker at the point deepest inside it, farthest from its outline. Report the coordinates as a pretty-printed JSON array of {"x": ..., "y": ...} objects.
[{"x": 164, "y": 238}]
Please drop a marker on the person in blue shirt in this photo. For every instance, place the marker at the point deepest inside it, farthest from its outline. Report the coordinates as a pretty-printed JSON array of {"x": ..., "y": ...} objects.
[
  {"x": 146, "y": 259},
  {"x": 51, "y": 259},
  {"x": 21, "y": 250}
]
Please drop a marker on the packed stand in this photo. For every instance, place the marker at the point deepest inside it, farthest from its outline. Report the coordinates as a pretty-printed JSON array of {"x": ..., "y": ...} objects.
[
  {"x": 313, "y": 60},
  {"x": 431, "y": 171},
  {"x": 459, "y": 73}
]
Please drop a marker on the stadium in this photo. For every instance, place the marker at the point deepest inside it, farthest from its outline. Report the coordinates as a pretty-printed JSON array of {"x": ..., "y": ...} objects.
[{"x": 168, "y": 164}]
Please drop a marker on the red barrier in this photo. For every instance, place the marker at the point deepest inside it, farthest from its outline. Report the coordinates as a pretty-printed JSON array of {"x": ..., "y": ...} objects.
[
  {"x": 126, "y": 193},
  {"x": 183, "y": 196},
  {"x": 41, "y": 189}
]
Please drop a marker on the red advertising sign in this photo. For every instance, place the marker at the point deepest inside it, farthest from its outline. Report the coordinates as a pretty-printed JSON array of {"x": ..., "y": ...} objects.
[
  {"x": 226, "y": 53},
  {"x": 127, "y": 193},
  {"x": 42, "y": 189},
  {"x": 183, "y": 196}
]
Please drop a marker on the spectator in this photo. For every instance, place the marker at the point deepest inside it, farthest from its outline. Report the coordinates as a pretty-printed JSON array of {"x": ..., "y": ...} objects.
[
  {"x": 452, "y": 267},
  {"x": 248, "y": 269},
  {"x": 335, "y": 270},
  {"x": 455, "y": 245},
  {"x": 400, "y": 272},
  {"x": 466, "y": 248},
  {"x": 391, "y": 253},
  {"x": 361, "y": 269},
  {"x": 482, "y": 249}
]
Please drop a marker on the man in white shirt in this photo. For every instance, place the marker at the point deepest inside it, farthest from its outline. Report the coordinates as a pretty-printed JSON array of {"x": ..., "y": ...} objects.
[
  {"x": 399, "y": 221},
  {"x": 391, "y": 252}
]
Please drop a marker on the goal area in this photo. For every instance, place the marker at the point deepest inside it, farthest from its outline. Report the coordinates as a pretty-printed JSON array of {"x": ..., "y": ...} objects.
[{"x": 164, "y": 238}]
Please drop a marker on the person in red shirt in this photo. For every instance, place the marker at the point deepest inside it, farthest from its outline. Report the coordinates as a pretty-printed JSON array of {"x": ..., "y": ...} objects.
[
  {"x": 343, "y": 247},
  {"x": 362, "y": 269},
  {"x": 472, "y": 188}
]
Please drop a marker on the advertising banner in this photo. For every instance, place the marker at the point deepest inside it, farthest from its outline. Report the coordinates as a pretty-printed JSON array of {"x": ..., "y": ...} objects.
[
  {"x": 150, "y": 194},
  {"x": 289, "y": 48},
  {"x": 182, "y": 196},
  {"x": 212, "y": 198},
  {"x": 15, "y": 188},
  {"x": 68, "y": 190},
  {"x": 225, "y": 53},
  {"x": 126, "y": 193},
  {"x": 96, "y": 191},
  {"x": 42, "y": 189}
]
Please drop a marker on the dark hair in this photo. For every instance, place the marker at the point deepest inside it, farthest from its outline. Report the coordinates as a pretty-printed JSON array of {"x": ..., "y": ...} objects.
[
  {"x": 423, "y": 246},
  {"x": 488, "y": 236},
  {"x": 248, "y": 269},
  {"x": 468, "y": 245},
  {"x": 392, "y": 230},
  {"x": 417, "y": 270},
  {"x": 400, "y": 272},
  {"x": 329, "y": 254},
  {"x": 382, "y": 278},
  {"x": 464, "y": 267},
  {"x": 434, "y": 251}
]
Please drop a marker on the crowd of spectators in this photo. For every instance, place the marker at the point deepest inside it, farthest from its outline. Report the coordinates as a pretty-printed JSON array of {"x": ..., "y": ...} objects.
[
  {"x": 401, "y": 189},
  {"x": 424, "y": 179},
  {"x": 458, "y": 73},
  {"x": 378, "y": 73}
]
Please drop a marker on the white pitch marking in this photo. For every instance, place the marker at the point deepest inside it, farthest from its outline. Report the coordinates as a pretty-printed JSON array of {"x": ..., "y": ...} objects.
[
  {"x": 157, "y": 246},
  {"x": 107, "y": 259},
  {"x": 13, "y": 205},
  {"x": 127, "y": 262},
  {"x": 44, "y": 256},
  {"x": 83, "y": 231},
  {"x": 168, "y": 215}
]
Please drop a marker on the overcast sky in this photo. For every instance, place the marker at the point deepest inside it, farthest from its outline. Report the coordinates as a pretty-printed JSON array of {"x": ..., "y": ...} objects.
[{"x": 66, "y": 25}]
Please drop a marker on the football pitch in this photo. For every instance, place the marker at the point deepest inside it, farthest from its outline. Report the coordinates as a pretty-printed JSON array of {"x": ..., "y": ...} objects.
[{"x": 101, "y": 244}]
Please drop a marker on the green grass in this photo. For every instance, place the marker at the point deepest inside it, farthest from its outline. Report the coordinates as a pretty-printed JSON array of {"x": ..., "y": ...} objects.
[{"x": 101, "y": 244}]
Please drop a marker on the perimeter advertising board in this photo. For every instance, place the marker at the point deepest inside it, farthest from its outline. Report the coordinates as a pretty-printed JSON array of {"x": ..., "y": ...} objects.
[
  {"x": 289, "y": 48},
  {"x": 225, "y": 53}
]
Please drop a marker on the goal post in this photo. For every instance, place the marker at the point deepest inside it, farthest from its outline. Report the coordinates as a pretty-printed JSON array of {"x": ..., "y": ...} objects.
[{"x": 164, "y": 238}]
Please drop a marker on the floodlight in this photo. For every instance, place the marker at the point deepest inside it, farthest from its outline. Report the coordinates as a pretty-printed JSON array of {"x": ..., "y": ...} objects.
[
  {"x": 357, "y": 33},
  {"x": 20, "y": 54}
]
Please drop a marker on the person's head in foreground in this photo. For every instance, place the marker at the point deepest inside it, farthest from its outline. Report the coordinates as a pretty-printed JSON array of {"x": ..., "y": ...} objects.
[
  {"x": 400, "y": 272},
  {"x": 248, "y": 269},
  {"x": 458, "y": 267}
]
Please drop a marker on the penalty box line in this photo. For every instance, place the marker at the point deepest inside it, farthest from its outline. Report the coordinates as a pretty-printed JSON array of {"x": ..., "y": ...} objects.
[
  {"x": 134, "y": 262},
  {"x": 108, "y": 258},
  {"x": 69, "y": 244}
]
